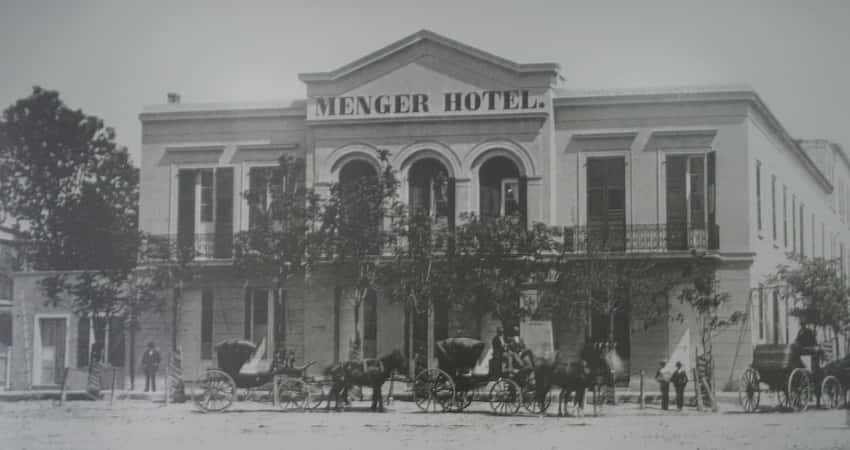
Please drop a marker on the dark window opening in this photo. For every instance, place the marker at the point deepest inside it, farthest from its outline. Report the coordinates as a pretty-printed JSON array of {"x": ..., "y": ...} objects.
[
  {"x": 207, "y": 191},
  {"x": 501, "y": 188},
  {"x": 606, "y": 203},
  {"x": 429, "y": 189},
  {"x": 370, "y": 325}
]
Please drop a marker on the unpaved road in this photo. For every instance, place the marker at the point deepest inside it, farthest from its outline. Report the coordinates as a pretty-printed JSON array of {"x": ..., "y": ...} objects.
[{"x": 135, "y": 424}]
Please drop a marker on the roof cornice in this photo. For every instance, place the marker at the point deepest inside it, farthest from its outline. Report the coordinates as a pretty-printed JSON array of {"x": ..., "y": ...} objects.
[
  {"x": 426, "y": 35},
  {"x": 201, "y": 111},
  {"x": 697, "y": 95}
]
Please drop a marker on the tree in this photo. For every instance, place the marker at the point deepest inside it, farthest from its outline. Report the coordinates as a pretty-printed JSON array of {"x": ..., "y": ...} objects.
[
  {"x": 420, "y": 272},
  {"x": 73, "y": 193},
  {"x": 821, "y": 292},
  {"x": 612, "y": 283},
  {"x": 281, "y": 242},
  {"x": 498, "y": 261},
  {"x": 358, "y": 221},
  {"x": 707, "y": 303}
]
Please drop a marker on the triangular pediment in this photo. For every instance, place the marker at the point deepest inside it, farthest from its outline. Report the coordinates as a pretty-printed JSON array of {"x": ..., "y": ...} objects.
[{"x": 424, "y": 54}]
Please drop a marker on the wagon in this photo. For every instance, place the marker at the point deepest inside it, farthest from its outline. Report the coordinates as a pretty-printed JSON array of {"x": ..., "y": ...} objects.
[
  {"x": 779, "y": 369},
  {"x": 452, "y": 385},
  {"x": 220, "y": 387}
]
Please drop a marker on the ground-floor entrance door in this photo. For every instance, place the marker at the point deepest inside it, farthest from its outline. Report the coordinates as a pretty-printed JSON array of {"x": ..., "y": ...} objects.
[
  {"x": 50, "y": 348},
  {"x": 264, "y": 319}
]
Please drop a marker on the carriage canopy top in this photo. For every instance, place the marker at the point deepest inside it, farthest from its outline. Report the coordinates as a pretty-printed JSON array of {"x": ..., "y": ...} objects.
[
  {"x": 233, "y": 353},
  {"x": 459, "y": 354}
]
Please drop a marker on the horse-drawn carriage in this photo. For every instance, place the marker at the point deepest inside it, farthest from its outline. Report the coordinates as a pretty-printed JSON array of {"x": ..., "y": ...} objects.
[
  {"x": 452, "y": 385},
  {"x": 780, "y": 369},
  {"x": 240, "y": 368},
  {"x": 836, "y": 383}
]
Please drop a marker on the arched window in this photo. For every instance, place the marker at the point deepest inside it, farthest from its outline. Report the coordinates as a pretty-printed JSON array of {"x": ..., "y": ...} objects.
[
  {"x": 354, "y": 170},
  {"x": 429, "y": 188},
  {"x": 502, "y": 189}
]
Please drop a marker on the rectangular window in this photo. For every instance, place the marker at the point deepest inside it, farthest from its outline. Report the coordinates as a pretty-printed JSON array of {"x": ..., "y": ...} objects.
[
  {"x": 207, "y": 187},
  {"x": 813, "y": 235},
  {"x": 206, "y": 324},
  {"x": 761, "y": 313},
  {"x": 785, "y": 215},
  {"x": 687, "y": 214},
  {"x": 773, "y": 204},
  {"x": 794, "y": 223},
  {"x": 802, "y": 229},
  {"x": 265, "y": 183},
  {"x": 606, "y": 202},
  {"x": 758, "y": 194}
]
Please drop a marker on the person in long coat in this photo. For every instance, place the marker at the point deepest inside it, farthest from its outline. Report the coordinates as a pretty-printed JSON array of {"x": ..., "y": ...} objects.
[
  {"x": 679, "y": 380},
  {"x": 663, "y": 385},
  {"x": 150, "y": 365}
]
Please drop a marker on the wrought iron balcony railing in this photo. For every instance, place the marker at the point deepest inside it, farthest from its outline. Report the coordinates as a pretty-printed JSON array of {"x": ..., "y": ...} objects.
[
  {"x": 194, "y": 247},
  {"x": 640, "y": 238}
]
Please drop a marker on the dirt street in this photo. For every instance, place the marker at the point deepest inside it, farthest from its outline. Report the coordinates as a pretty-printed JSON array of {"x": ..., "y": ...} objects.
[{"x": 134, "y": 424}]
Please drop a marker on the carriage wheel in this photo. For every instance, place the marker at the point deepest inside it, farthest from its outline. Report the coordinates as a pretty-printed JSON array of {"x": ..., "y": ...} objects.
[
  {"x": 505, "y": 397},
  {"x": 462, "y": 400},
  {"x": 433, "y": 390},
  {"x": 316, "y": 395},
  {"x": 529, "y": 396},
  {"x": 291, "y": 394},
  {"x": 218, "y": 391},
  {"x": 749, "y": 391},
  {"x": 831, "y": 392},
  {"x": 799, "y": 389}
]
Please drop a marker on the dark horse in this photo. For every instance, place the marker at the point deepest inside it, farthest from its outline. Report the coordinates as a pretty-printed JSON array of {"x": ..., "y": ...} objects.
[
  {"x": 573, "y": 377},
  {"x": 369, "y": 372}
]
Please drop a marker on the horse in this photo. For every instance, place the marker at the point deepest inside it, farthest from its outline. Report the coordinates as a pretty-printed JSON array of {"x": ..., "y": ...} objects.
[
  {"x": 570, "y": 376},
  {"x": 574, "y": 377},
  {"x": 368, "y": 372}
]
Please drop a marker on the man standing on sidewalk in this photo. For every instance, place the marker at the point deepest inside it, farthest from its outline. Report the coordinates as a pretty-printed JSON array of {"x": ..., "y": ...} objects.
[
  {"x": 663, "y": 385},
  {"x": 150, "y": 365},
  {"x": 679, "y": 380}
]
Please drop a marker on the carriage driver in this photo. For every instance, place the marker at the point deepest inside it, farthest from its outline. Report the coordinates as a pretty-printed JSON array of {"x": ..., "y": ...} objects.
[
  {"x": 518, "y": 351},
  {"x": 499, "y": 346}
]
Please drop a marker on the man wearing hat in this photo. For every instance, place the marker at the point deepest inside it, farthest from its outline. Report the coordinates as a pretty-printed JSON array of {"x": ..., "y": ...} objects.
[
  {"x": 679, "y": 380},
  {"x": 150, "y": 365},
  {"x": 663, "y": 385}
]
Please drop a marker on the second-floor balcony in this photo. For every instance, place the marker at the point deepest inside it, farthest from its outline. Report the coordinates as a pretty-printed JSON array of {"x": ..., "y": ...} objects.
[
  {"x": 640, "y": 238},
  {"x": 195, "y": 247}
]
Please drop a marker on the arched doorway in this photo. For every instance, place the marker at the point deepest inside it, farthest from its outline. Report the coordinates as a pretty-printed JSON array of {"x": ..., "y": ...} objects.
[{"x": 502, "y": 188}]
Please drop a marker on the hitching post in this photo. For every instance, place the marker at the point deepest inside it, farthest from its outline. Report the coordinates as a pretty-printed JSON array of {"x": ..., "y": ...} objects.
[
  {"x": 167, "y": 379},
  {"x": 62, "y": 388},
  {"x": 112, "y": 395},
  {"x": 275, "y": 390},
  {"x": 642, "y": 402}
]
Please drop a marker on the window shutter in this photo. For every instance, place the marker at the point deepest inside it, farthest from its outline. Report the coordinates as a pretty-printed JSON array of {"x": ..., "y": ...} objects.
[
  {"x": 224, "y": 212},
  {"x": 711, "y": 178},
  {"x": 677, "y": 205},
  {"x": 186, "y": 214},
  {"x": 255, "y": 183}
]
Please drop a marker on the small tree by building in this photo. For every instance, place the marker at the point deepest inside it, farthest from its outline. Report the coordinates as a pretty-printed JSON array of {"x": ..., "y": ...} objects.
[
  {"x": 707, "y": 303},
  {"x": 822, "y": 295},
  {"x": 357, "y": 224},
  {"x": 281, "y": 241},
  {"x": 500, "y": 259}
]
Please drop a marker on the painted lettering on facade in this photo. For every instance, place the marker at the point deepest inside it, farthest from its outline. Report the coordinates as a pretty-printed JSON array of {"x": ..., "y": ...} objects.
[{"x": 361, "y": 106}]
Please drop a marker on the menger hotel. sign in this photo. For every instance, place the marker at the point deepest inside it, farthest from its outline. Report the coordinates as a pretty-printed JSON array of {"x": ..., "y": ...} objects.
[{"x": 422, "y": 104}]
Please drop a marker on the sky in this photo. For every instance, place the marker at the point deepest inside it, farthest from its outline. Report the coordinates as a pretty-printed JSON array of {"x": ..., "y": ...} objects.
[{"x": 111, "y": 58}]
